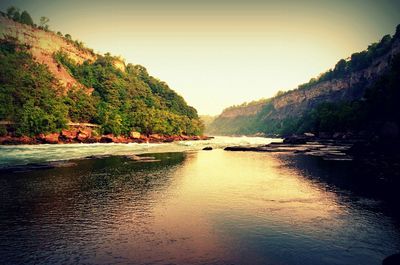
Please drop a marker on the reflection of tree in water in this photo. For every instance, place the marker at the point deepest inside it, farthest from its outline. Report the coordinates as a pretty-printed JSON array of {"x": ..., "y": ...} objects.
[
  {"x": 117, "y": 182},
  {"x": 116, "y": 173},
  {"x": 83, "y": 202}
]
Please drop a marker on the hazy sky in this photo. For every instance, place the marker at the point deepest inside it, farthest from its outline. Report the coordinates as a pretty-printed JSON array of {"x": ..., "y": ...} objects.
[{"x": 219, "y": 53}]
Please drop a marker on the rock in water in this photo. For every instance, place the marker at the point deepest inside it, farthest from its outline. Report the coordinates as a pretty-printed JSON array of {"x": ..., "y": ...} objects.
[
  {"x": 296, "y": 139},
  {"x": 208, "y": 148},
  {"x": 392, "y": 260}
]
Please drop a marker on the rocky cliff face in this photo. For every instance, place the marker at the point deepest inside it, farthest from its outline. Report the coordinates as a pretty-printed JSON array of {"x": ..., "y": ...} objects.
[
  {"x": 243, "y": 110},
  {"x": 348, "y": 88},
  {"x": 248, "y": 118},
  {"x": 43, "y": 45}
]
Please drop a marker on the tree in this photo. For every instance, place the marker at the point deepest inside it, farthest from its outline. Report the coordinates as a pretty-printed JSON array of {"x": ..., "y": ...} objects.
[
  {"x": 397, "y": 34},
  {"x": 340, "y": 68},
  {"x": 10, "y": 11},
  {"x": 16, "y": 16},
  {"x": 26, "y": 18},
  {"x": 43, "y": 22}
]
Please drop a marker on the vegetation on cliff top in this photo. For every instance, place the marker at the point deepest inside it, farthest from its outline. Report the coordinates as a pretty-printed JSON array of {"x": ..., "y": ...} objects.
[
  {"x": 24, "y": 17},
  {"x": 356, "y": 62}
]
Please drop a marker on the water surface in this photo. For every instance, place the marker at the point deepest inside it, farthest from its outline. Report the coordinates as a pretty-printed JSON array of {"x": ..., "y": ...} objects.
[{"x": 201, "y": 207}]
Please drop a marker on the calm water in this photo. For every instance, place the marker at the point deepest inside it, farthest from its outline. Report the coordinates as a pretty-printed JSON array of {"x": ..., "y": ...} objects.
[{"x": 193, "y": 207}]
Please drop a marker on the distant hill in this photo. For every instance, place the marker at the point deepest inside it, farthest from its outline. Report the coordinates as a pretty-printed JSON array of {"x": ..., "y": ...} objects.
[
  {"x": 344, "y": 99},
  {"x": 207, "y": 119},
  {"x": 47, "y": 79}
]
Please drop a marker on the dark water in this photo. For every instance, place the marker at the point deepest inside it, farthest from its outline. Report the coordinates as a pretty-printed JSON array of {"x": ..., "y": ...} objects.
[{"x": 194, "y": 208}]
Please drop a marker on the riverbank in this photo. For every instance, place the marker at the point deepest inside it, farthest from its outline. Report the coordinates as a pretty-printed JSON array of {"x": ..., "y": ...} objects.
[{"x": 88, "y": 136}]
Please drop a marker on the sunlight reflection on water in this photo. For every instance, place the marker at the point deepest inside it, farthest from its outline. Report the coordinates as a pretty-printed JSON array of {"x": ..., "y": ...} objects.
[{"x": 201, "y": 207}]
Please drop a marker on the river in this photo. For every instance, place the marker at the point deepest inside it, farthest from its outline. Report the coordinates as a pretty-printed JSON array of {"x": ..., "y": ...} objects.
[{"x": 188, "y": 206}]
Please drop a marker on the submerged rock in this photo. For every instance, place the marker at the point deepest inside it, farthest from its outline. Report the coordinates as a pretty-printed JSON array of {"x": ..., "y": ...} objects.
[
  {"x": 308, "y": 134},
  {"x": 97, "y": 156},
  {"x": 325, "y": 150},
  {"x": 296, "y": 139},
  {"x": 143, "y": 158},
  {"x": 207, "y": 148},
  {"x": 392, "y": 260},
  {"x": 242, "y": 148}
]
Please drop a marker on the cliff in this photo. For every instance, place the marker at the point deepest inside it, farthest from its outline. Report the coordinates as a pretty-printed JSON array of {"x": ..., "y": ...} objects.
[
  {"x": 43, "y": 44},
  {"x": 347, "y": 82},
  {"x": 347, "y": 88},
  {"x": 245, "y": 109}
]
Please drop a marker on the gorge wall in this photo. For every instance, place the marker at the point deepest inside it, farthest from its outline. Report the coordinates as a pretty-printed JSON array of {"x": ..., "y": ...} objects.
[
  {"x": 252, "y": 118},
  {"x": 348, "y": 88}
]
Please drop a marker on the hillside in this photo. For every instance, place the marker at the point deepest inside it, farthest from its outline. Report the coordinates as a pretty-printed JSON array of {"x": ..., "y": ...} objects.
[
  {"x": 48, "y": 80},
  {"x": 43, "y": 44},
  {"x": 343, "y": 89}
]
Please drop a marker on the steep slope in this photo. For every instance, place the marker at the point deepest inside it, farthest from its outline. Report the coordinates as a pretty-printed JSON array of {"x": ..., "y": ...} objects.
[
  {"x": 347, "y": 82},
  {"x": 239, "y": 120},
  {"x": 48, "y": 81},
  {"x": 43, "y": 44}
]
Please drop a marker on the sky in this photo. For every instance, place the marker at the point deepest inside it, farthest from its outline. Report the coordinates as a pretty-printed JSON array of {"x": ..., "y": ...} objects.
[{"x": 218, "y": 53}]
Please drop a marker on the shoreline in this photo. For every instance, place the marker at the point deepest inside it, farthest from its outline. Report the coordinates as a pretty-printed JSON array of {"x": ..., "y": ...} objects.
[{"x": 86, "y": 136}]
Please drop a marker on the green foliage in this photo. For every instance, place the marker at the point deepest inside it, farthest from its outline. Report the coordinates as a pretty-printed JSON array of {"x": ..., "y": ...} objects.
[
  {"x": 11, "y": 10},
  {"x": 26, "y": 18},
  {"x": 35, "y": 118},
  {"x": 122, "y": 101},
  {"x": 44, "y": 23},
  {"x": 245, "y": 124},
  {"x": 3, "y": 130},
  {"x": 379, "y": 106},
  {"x": 28, "y": 92},
  {"x": 129, "y": 100},
  {"x": 358, "y": 61},
  {"x": 16, "y": 16},
  {"x": 81, "y": 106}
]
